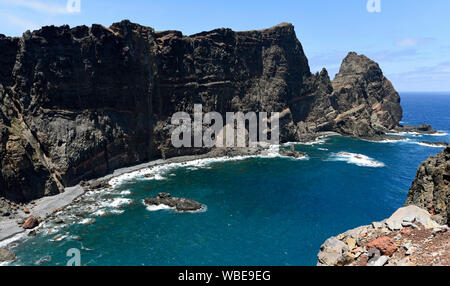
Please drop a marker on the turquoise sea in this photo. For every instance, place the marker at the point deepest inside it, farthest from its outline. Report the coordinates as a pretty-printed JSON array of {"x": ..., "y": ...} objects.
[{"x": 259, "y": 211}]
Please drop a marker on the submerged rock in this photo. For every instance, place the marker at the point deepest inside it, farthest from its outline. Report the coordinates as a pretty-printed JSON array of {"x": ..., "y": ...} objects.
[
  {"x": 180, "y": 204},
  {"x": 6, "y": 255}
]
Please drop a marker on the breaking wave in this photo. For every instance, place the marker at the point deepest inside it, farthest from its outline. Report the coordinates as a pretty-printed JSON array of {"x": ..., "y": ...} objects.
[{"x": 356, "y": 159}]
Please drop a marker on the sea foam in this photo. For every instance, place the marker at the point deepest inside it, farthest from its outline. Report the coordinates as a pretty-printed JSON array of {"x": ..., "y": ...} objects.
[{"x": 356, "y": 159}]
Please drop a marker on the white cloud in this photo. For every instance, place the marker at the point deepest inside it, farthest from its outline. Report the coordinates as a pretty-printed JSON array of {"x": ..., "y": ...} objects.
[
  {"x": 412, "y": 42},
  {"x": 49, "y": 7}
]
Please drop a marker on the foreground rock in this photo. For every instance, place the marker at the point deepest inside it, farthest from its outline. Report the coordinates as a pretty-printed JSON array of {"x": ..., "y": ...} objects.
[
  {"x": 411, "y": 243},
  {"x": 414, "y": 235},
  {"x": 431, "y": 187},
  {"x": 180, "y": 204},
  {"x": 6, "y": 255}
]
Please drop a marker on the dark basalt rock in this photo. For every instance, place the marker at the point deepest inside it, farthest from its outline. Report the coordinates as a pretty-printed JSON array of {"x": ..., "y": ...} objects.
[
  {"x": 430, "y": 189},
  {"x": 366, "y": 101},
  {"x": 181, "y": 204},
  {"x": 78, "y": 103},
  {"x": 424, "y": 129},
  {"x": 292, "y": 153}
]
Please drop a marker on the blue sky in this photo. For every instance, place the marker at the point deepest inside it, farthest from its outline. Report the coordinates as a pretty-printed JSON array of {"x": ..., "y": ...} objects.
[{"x": 408, "y": 38}]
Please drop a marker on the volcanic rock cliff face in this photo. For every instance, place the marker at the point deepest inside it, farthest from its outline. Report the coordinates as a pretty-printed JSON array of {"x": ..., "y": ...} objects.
[
  {"x": 431, "y": 188},
  {"x": 78, "y": 103}
]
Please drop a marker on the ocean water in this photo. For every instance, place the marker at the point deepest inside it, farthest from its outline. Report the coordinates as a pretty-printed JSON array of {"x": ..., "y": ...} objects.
[{"x": 258, "y": 211}]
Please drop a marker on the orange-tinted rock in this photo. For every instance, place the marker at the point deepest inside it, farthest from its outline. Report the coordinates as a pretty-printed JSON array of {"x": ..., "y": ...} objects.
[
  {"x": 30, "y": 223},
  {"x": 385, "y": 244}
]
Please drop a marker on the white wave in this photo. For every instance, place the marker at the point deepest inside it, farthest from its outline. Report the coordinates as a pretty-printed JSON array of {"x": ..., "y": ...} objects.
[
  {"x": 385, "y": 141},
  {"x": 10, "y": 240},
  {"x": 405, "y": 134},
  {"x": 125, "y": 193},
  {"x": 417, "y": 134},
  {"x": 87, "y": 221},
  {"x": 116, "y": 203},
  {"x": 323, "y": 149},
  {"x": 439, "y": 133},
  {"x": 157, "y": 172},
  {"x": 430, "y": 145},
  {"x": 318, "y": 140},
  {"x": 99, "y": 213},
  {"x": 356, "y": 159},
  {"x": 155, "y": 208},
  {"x": 117, "y": 212}
]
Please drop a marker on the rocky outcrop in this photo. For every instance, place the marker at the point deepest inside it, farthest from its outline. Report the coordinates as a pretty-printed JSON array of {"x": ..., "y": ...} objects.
[
  {"x": 180, "y": 204},
  {"x": 430, "y": 189},
  {"x": 77, "y": 103},
  {"x": 423, "y": 129},
  {"x": 366, "y": 101},
  {"x": 409, "y": 237}
]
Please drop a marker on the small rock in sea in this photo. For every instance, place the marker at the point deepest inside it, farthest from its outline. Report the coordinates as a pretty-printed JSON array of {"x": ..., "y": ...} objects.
[
  {"x": 32, "y": 233},
  {"x": 6, "y": 255},
  {"x": 30, "y": 223},
  {"x": 181, "y": 204},
  {"x": 292, "y": 153}
]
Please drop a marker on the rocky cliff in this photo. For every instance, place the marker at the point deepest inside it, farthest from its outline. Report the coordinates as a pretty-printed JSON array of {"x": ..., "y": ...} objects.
[
  {"x": 77, "y": 103},
  {"x": 414, "y": 235},
  {"x": 431, "y": 187}
]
